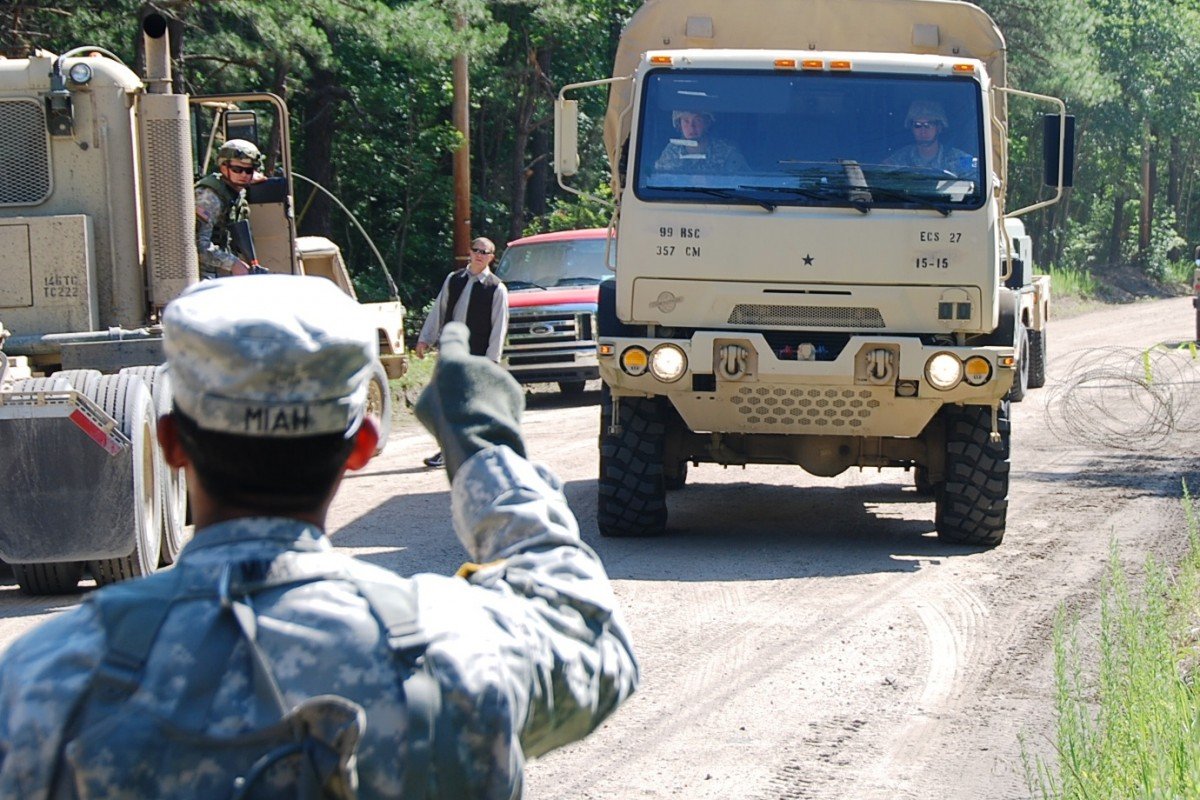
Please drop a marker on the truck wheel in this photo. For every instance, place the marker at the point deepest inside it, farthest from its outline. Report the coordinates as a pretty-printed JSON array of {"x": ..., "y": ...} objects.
[
  {"x": 1021, "y": 380},
  {"x": 173, "y": 482},
  {"x": 675, "y": 477},
  {"x": 571, "y": 387},
  {"x": 632, "y": 493},
  {"x": 81, "y": 380},
  {"x": 126, "y": 398},
  {"x": 972, "y": 504},
  {"x": 54, "y": 578},
  {"x": 1037, "y": 359},
  {"x": 921, "y": 480},
  {"x": 379, "y": 404}
]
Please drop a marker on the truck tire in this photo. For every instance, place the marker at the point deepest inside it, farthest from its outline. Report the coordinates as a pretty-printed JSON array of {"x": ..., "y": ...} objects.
[
  {"x": 81, "y": 380},
  {"x": 1037, "y": 359},
  {"x": 675, "y": 477},
  {"x": 379, "y": 404},
  {"x": 1021, "y": 380},
  {"x": 972, "y": 503},
  {"x": 925, "y": 487},
  {"x": 127, "y": 398},
  {"x": 172, "y": 482},
  {"x": 59, "y": 577},
  {"x": 632, "y": 493},
  {"x": 572, "y": 387},
  {"x": 54, "y": 578}
]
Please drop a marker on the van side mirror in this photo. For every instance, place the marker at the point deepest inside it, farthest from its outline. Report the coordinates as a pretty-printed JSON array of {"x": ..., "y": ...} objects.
[
  {"x": 1050, "y": 140},
  {"x": 566, "y": 137}
]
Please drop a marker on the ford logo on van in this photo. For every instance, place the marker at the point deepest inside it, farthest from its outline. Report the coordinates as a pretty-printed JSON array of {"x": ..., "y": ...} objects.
[{"x": 541, "y": 329}]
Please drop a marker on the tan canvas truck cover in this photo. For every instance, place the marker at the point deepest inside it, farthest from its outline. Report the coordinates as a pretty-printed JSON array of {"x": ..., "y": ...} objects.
[{"x": 936, "y": 27}]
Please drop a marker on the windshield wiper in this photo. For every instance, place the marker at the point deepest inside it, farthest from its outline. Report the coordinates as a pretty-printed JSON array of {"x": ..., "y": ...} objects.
[
  {"x": 519, "y": 284},
  {"x": 727, "y": 194},
  {"x": 577, "y": 280},
  {"x": 904, "y": 197},
  {"x": 827, "y": 193}
]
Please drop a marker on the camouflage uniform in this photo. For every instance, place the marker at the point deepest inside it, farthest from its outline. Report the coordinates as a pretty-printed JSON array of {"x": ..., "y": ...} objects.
[
  {"x": 719, "y": 157},
  {"x": 527, "y": 651},
  {"x": 947, "y": 159},
  {"x": 217, "y": 207}
]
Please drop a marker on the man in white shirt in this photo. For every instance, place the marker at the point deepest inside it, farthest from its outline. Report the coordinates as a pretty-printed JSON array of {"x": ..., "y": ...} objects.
[{"x": 474, "y": 296}]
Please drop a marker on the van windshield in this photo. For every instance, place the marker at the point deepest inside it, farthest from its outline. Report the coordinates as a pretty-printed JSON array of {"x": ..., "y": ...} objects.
[
  {"x": 563, "y": 262},
  {"x": 811, "y": 139}
]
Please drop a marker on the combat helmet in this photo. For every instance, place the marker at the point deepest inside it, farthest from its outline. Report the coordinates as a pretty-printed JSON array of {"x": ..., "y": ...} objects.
[{"x": 239, "y": 148}]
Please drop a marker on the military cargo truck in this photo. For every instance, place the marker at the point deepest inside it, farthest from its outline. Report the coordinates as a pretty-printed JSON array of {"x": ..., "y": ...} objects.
[
  {"x": 801, "y": 277},
  {"x": 96, "y": 237}
]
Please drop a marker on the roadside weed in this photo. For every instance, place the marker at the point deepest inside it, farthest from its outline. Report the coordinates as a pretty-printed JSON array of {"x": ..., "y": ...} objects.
[
  {"x": 1128, "y": 726},
  {"x": 1071, "y": 281}
]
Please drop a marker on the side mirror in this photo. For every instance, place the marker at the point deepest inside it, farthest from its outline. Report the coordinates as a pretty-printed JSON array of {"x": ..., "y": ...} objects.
[
  {"x": 1051, "y": 135},
  {"x": 566, "y": 137}
]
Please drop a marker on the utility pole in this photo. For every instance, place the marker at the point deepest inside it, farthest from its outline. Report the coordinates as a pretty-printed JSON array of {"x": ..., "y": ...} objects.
[{"x": 462, "y": 156}]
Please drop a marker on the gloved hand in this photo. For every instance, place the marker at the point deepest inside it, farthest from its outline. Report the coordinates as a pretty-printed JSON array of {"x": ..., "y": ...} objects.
[{"x": 471, "y": 403}]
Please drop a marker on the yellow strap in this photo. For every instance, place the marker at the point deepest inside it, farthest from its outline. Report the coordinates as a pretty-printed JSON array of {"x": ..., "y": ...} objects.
[{"x": 469, "y": 568}]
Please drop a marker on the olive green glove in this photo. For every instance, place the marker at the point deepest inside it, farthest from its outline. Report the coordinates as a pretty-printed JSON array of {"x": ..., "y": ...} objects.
[{"x": 471, "y": 403}]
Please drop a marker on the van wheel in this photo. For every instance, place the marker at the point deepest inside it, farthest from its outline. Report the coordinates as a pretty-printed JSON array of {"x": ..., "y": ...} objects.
[
  {"x": 571, "y": 387},
  {"x": 631, "y": 497},
  {"x": 972, "y": 503}
]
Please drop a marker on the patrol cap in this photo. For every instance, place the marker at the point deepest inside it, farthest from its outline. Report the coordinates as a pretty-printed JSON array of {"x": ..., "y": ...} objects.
[{"x": 269, "y": 356}]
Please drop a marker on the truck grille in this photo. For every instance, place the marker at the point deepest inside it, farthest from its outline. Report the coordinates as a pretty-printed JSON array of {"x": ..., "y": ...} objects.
[
  {"x": 548, "y": 329},
  {"x": 551, "y": 346},
  {"x": 805, "y": 408},
  {"x": 806, "y": 316},
  {"x": 25, "y": 157}
]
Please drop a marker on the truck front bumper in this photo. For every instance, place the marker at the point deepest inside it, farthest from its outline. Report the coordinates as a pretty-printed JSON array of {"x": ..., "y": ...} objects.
[{"x": 733, "y": 382}]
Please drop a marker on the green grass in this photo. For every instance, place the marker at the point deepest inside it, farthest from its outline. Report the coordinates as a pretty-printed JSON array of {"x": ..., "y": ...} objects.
[
  {"x": 1130, "y": 727},
  {"x": 1180, "y": 272},
  {"x": 1067, "y": 281},
  {"x": 407, "y": 388}
]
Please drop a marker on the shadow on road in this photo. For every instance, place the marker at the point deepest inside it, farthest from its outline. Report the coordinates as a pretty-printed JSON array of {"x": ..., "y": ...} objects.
[{"x": 734, "y": 532}]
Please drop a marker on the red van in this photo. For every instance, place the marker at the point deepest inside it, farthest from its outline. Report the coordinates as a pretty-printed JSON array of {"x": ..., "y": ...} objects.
[{"x": 553, "y": 281}]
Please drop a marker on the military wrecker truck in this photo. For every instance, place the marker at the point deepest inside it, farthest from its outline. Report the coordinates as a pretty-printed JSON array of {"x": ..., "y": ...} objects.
[
  {"x": 97, "y": 235},
  {"x": 792, "y": 285}
]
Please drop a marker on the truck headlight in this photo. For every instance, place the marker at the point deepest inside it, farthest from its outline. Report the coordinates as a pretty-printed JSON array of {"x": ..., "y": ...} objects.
[
  {"x": 977, "y": 371},
  {"x": 668, "y": 363},
  {"x": 943, "y": 371},
  {"x": 634, "y": 361}
]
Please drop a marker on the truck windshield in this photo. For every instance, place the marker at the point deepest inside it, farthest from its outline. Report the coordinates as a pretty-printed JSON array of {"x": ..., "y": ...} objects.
[
  {"x": 560, "y": 262},
  {"x": 860, "y": 141}
]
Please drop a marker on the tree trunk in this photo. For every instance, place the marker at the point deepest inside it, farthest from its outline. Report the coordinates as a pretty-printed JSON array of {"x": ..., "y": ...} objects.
[
  {"x": 1147, "y": 204},
  {"x": 1118, "y": 225},
  {"x": 539, "y": 184},
  {"x": 1174, "y": 170},
  {"x": 320, "y": 106}
]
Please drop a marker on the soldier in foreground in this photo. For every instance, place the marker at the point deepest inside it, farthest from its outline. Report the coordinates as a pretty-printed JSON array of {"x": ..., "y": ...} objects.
[{"x": 372, "y": 685}]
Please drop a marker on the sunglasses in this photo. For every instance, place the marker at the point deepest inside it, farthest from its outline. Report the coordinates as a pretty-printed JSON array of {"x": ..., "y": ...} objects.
[
  {"x": 919, "y": 126},
  {"x": 481, "y": 252},
  {"x": 240, "y": 170}
]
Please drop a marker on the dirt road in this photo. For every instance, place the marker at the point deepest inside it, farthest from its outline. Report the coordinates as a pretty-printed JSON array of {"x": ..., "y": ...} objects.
[{"x": 810, "y": 638}]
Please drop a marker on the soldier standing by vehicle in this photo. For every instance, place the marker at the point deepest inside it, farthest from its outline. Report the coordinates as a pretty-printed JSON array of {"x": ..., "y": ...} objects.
[
  {"x": 380, "y": 686},
  {"x": 221, "y": 202}
]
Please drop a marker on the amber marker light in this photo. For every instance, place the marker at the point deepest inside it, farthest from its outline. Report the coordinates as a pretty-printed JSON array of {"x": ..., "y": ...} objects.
[
  {"x": 843, "y": 65},
  {"x": 1007, "y": 361},
  {"x": 605, "y": 349},
  {"x": 964, "y": 67},
  {"x": 812, "y": 63},
  {"x": 785, "y": 63},
  {"x": 661, "y": 60}
]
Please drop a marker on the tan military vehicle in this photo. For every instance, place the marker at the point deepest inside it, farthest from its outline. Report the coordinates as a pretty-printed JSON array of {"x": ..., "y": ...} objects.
[
  {"x": 96, "y": 236},
  {"x": 815, "y": 262}
]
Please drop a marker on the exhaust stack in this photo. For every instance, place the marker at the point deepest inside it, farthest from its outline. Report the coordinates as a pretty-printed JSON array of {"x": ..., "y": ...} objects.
[{"x": 168, "y": 202}]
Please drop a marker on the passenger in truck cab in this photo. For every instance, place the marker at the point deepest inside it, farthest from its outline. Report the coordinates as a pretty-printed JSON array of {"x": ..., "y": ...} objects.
[
  {"x": 221, "y": 203},
  {"x": 694, "y": 150},
  {"x": 926, "y": 120}
]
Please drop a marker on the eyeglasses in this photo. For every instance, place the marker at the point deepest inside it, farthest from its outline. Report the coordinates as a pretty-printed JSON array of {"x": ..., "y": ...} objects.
[
  {"x": 240, "y": 170},
  {"x": 481, "y": 252},
  {"x": 918, "y": 126}
]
